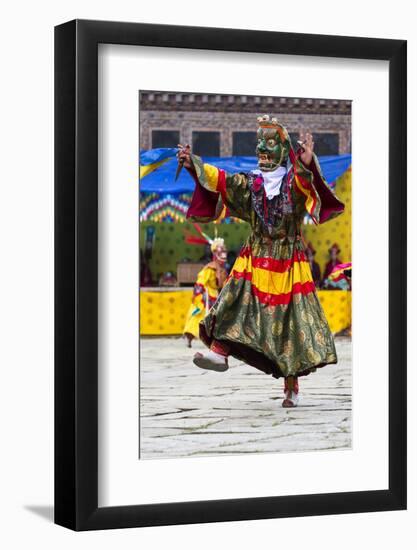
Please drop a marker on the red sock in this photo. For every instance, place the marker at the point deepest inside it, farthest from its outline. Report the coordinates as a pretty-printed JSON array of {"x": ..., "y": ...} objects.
[
  {"x": 220, "y": 348},
  {"x": 291, "y": 383}
]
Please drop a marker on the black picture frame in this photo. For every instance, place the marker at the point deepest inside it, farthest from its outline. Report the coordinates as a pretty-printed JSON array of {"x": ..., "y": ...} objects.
[{"x": 76, "y": 272}]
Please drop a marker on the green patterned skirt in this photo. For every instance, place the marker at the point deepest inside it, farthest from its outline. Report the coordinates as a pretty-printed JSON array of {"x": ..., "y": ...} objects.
[{"x": 268, "y": 313}]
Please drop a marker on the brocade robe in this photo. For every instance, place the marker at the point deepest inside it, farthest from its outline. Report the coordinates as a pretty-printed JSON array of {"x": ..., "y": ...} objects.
[{"x": 268, "y": 313}]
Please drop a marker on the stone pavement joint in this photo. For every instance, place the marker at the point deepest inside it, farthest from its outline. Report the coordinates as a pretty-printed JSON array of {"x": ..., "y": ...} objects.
[{"x": 186, "y": 411}]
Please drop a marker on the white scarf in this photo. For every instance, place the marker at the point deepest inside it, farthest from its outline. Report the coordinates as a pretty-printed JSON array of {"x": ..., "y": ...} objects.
[{"x": 272, "y": 180}]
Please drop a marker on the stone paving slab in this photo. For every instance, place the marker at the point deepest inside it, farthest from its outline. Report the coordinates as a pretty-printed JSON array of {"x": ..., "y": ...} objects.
[{"x": 186, "y": 411}]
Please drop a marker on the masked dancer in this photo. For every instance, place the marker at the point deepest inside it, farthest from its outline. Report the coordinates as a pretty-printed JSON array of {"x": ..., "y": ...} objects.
[
  {"x": 210, "y": 281},
  {"x": 268, "y": 313}
]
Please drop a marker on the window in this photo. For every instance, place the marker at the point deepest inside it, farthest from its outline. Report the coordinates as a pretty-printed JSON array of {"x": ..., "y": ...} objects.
[
  {"x": 326, "y": 144},
  {"x": 165, "y": 138},
  {"x": 244, "y": 144},
  {"x": 206, "y": 144}
]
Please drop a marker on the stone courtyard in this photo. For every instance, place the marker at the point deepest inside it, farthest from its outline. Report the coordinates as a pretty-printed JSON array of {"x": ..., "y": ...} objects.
[{"x": 186, "y": 411}]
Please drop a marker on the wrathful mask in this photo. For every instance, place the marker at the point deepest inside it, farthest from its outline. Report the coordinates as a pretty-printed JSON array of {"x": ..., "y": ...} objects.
[
  {"x": 273, "y": 144},
  {"x": 219, "y": 251}
]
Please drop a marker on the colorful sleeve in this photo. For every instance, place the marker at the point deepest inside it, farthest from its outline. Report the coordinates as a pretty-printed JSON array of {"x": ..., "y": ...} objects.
[
  {"x": 312, "y": 193},
  {"x": 215, "y": 188}
]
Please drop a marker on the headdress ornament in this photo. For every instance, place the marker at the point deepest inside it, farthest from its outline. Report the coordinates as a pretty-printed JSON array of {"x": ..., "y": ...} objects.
[
  {"x": 267, "y": 122},
  {"x": 215, "y": 243},
  {"x": 204, "y": 238}
]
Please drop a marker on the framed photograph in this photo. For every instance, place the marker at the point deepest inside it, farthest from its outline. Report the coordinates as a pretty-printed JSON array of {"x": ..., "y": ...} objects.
[{"x": 215, "y": 357}]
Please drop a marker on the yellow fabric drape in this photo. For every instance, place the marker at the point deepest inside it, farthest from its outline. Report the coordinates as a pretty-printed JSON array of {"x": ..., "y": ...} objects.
[{"x": 163, "y": 313}]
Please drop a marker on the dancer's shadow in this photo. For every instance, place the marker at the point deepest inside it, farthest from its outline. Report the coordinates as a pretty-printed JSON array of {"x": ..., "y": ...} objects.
[{"x": 45, "y": 512}]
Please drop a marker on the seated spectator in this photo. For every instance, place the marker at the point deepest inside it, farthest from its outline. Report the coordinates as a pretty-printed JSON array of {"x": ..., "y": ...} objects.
[
  {"x": 145, "y": 272},
  {"x": 340, "y": 277},
  {"x": 334, "y": 252}
]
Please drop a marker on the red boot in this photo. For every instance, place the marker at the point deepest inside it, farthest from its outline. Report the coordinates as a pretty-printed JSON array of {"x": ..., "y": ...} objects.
[{"x": 291, "y": 392}]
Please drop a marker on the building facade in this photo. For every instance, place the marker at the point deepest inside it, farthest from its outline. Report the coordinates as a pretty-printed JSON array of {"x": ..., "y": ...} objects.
[{"x": 225, "y": 125}]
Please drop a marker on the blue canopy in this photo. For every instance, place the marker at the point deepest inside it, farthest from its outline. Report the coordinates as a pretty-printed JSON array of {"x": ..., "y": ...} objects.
[{"x": 162, "y": 180}]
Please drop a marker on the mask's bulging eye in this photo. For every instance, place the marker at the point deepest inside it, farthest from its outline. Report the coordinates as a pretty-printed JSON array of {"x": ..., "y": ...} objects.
[{"x": 271, "y": 142}]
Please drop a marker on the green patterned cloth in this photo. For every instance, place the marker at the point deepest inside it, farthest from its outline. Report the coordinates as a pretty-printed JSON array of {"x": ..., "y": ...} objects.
[{"x": 268, "y": 313}]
